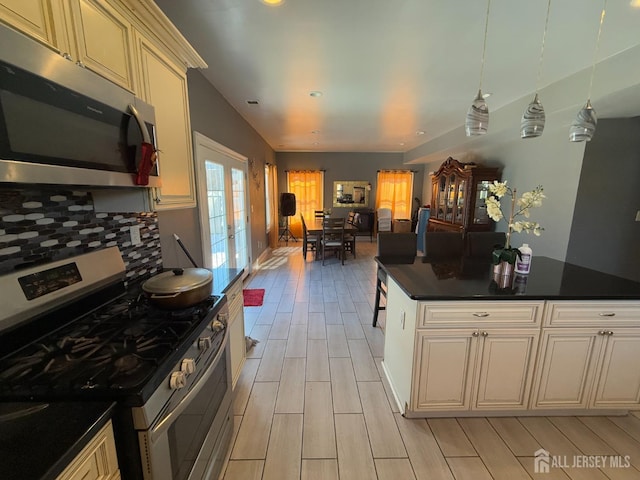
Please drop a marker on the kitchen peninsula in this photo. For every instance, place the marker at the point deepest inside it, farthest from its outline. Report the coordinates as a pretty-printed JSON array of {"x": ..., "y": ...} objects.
[{"x": 558, "y": 341}]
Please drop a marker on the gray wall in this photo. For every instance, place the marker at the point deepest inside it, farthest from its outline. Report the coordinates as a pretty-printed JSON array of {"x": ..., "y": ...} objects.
[
  {"x": 212, "y": 116},
  {"x": 551, "y": 161},
  {"x": 604, "y": 233},
  {"x": 346, "y": 166}
]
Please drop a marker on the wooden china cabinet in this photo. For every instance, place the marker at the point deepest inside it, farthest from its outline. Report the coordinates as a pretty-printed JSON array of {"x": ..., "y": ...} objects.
[{"x": 458, "y": 197}]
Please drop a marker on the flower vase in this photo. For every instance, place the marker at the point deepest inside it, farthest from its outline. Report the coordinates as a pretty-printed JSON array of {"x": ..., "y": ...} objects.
[{"x": 503, "y": 274}]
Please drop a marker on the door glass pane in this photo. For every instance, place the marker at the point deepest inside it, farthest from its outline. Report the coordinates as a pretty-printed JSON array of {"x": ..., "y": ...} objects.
[
  {"x": 217, "y": 216},
  {"x": 441, "y": 197},
  {"x": 239, "y": 217},
  {"x": 451, "y": 197}
]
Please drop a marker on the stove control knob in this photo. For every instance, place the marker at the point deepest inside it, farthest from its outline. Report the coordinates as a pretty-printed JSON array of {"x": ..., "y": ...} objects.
[
  {"x": 188, "y": 366},
  {"x": 224, "y": 318},
  {"x": 217, "y": 326},
  {"x": 204, "y": 343},
  {"x": 177, "y": 381}
]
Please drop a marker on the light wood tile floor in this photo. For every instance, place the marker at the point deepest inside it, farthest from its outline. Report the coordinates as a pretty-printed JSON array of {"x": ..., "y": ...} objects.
[{"x": 311, "y": 402}]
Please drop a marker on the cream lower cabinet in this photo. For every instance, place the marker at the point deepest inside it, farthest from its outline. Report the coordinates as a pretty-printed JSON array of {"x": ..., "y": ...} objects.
[
  {"x": 237, "y": 344},
  {"x": 96, "y": 461},
  {"x": 479, "y": 369},
  {"x": 588, "y": 368}
]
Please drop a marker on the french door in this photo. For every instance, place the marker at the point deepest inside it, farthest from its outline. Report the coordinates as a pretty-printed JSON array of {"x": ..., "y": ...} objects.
[{"x": 222, "y": 196}]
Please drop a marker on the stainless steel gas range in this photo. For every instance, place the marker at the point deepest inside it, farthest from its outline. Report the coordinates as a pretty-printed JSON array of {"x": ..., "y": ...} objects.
[{"x": 73, "y": 330}]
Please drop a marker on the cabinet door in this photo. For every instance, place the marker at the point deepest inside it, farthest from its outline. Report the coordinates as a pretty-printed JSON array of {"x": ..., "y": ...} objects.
[
  {"x": 164, "y": 85},
  {"x": 505, "y": 368},
  {"x": 564, "y": 374},
  {"x": 617, "y": 382},
  {"x": 39, "y": 19},
  {"x": 443, "y": 370},
  {"x": 237, "y": 345},
  {"x": 104, "y": 41}
]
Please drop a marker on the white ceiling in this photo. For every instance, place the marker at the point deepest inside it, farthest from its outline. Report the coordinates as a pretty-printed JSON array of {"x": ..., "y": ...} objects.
[{"x": 389, "y": 69}]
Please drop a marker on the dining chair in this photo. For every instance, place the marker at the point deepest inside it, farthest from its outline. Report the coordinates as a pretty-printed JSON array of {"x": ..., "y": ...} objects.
[
  {"x": 309, "y": 242},
  {"x": 333, "y": 237},
  {"x": 443, "y": 244},
  {"x": 482, "y": 244},
  {"x": 350, "y": 236},
  {"x": 390, "y": 244},
  {"x": 318, "y": 214}
]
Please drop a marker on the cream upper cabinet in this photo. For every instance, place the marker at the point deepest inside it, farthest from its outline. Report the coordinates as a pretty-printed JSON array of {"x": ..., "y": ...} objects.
[
  {"x": 42, "y": 20},
  {"x": 164, "y": 85},
  {"x": 103, "y": 41}
]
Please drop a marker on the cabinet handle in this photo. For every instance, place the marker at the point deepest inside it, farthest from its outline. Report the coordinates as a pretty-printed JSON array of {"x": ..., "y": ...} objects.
[
  {"x": 80, "y": 64},
  {"x": 607, "y": 314},
  {"x": 481, "y": 314},
  {"x": 475, "y": 334},
  {"x": 602, "y": 332},
  {"x": 609, "y": 332},
  {"x": 485, "y": 334},
  {"x": 66, "y": 56}
]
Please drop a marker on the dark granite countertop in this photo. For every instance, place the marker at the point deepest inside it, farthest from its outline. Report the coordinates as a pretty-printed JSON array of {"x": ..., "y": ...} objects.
[
  {"x": 464, "y": 278},
  {"x": 226, "y": 277},
  {"x": 39, "y": 440}
]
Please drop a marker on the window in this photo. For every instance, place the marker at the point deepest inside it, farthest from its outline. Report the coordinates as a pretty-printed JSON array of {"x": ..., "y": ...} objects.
[
  {"x": 307, "y": 186},
  {"x": 394, "y": 191}
]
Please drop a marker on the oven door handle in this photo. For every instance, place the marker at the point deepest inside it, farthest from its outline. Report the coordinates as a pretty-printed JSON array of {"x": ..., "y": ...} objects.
[{"x": 171, "y": 416}]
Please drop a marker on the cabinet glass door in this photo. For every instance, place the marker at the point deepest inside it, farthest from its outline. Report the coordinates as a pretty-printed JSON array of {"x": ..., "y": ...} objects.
[
  {"x": 460, "y": 211},
  {"x": 442, "y": 188},
  {"x": 451, "y": 198},
  {"x": 480, "y": 216}
]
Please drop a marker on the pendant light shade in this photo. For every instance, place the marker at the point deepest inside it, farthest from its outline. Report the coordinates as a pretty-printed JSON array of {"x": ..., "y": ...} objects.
[
  {"x": 477, "y": 120},
  {"x": 584, "y": 126},
  {"x": 533, "y": 118}
]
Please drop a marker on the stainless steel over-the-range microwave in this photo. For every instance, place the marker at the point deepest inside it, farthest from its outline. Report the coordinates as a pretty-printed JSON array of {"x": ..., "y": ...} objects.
[{"x": 63, "y": 124}]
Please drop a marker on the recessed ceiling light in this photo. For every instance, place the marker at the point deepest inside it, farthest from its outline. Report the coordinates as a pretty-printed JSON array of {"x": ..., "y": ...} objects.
[
  {"x": 401, "y": 144},
  {"x": 273, "y": 3},
  {"x": 420, "y": 132},
  {"x": 315, "y": 93}
]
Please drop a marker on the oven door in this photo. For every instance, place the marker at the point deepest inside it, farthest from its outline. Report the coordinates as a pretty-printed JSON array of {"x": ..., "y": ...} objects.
[{"x": 190, "y": 441}]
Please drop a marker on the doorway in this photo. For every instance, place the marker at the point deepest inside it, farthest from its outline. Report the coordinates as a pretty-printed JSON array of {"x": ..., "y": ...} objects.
[{"x": 222, "y": 196}]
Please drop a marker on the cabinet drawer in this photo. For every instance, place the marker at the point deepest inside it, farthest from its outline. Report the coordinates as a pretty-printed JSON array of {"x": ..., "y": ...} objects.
[
  {"x": 479, "y": 314},
  {"x": 592, "y": 313}
]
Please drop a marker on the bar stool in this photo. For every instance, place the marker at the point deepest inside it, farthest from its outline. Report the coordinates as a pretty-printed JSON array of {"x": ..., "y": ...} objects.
[{"x": 391, "y": 245}]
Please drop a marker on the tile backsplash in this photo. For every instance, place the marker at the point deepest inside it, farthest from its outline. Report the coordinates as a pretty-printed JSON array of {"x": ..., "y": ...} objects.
[{"x": 39, "y": 225}]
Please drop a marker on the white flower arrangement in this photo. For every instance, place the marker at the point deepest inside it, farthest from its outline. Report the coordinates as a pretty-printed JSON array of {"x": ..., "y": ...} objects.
[{"x": 527, "y": 201}]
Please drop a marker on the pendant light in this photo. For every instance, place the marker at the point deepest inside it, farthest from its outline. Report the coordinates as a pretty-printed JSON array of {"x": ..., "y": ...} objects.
[
  {"x": 584, "y": 126},
  {"x": 477, "y": 120},
  {"x": 533, "y": 118}
]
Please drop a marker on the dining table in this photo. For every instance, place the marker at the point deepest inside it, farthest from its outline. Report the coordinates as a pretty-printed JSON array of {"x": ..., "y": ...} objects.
[{"x": 314, "y": 229}]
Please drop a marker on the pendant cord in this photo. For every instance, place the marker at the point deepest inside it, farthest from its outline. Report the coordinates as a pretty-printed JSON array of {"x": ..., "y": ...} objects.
[
  {"x": 544, "y": 37},
  {"x": 484, "y": 44},
  {"x": 595, "y": 53}
]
